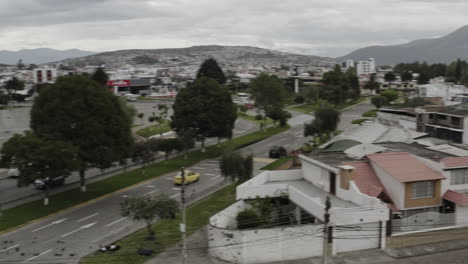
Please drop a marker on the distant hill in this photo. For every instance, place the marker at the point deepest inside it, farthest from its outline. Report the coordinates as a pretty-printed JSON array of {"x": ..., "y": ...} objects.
[
  {"x": 445, "y": 49},
  {"x": 227, "y": 55},
  {"x": 38, "y": 56}
]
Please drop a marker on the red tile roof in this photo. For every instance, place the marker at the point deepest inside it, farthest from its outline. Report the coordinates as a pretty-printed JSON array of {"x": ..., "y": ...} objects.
[
  {"x": 454, "y": 162},
  {"x": 367, "y": 181},
  {"x": 456, "y": 197},
  {"x": 404, "y": 167}
]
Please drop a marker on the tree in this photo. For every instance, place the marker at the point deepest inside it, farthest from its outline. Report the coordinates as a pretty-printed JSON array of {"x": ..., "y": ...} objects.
[
  {"x": 211, "y": 69},
  {"x": 390, "y": 95},
  {"x": 390, "y": 77},
  {"x": 458, "y": 70},
  {"x": 143, "y": 153},
  {"x": 92, "y": 119},
  {"x": 277, "y": 114},
  {"x": 14, "y": 84},
  {"x": 236, "y": 166},
  {"x": 100, "y": 76},
  {"x": 423, "y": 78},
  {"x": 168, "y": 145},
  {"x": 378, "y": 101},
  {"x": 406, "y": 76},
  {"x": 206, "y": 108},
  {"x": 187, "y": 139},
  {"x": 37, "y": 159},
  {"x": 141, "y": 116},
  {"x": 328, "y": 119},
  {"x": 372, "y": 84},
  {"x": 149, "y": 209}
]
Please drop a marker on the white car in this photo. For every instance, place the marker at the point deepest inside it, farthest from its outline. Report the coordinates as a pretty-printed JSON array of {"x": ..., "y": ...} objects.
[{"x": 13, "y": 172}]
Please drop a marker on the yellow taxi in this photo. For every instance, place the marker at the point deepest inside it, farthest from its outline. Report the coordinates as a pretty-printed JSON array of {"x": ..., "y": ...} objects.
[{"x": 190, "y": 177}]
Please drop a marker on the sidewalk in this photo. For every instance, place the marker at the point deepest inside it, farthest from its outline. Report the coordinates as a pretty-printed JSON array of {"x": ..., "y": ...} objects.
[{"x": 197, "y": 244}]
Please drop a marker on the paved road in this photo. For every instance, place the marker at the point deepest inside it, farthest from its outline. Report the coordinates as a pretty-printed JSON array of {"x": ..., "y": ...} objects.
[
  {"x": 352, "y": 113},
  {"x": 11, "y": 195}
]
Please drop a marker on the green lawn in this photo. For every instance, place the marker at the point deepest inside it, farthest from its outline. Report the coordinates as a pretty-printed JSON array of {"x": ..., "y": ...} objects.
[
  {"x": 306, "y": 108},
  {"x": 33, "y": 210},
  {"x": 268, "y": 121},
  {"x": 155, "y": 130},
  {"x": 371, "y": 113},
  {"x": 359, "y": 121},
  {"x": 275, "y": 164}
]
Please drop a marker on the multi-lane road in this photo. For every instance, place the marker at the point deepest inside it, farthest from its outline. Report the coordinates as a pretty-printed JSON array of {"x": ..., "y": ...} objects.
[{"x": 70, "y": 235}]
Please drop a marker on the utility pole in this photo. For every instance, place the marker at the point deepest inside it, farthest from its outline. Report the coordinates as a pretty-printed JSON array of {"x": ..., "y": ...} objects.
[
  {"x": 182, "y": 225},
  {"x": 326, "y": 220}
]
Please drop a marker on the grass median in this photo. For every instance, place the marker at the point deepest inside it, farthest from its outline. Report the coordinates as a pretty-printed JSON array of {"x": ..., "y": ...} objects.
[
  {"x": 275, "y": 164},
  {"x": 30, "y": 211},
  {"x": 167, "y": 231},
  {"x": 155, "y": 129},
  {"x": 267, "y": 121}
]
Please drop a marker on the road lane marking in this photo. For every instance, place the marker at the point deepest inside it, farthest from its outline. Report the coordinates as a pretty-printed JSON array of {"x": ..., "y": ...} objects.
[
  {"x": 51, "y": 224},
  {"x": 175, "y": 195},
  {"x": 170, "y": 178},
  {"x": 115, "y": 222},
  {"x": 81, "y": 228},
  {"x": 216, "y": 177},
  {"x": 210, "y": 174},
  {"x": 211, "y": 164},
  {"x": 198, "y": 168},
  {"x": 125, "y": 196},
  {"x": 213, "y": 161},
  {"x": 43, "y": 253},
  {"x": 176, "y": 189},
  {"x": 150, "y": 192},
  {"x": 150, "y": 186},
  {"x": 3, "y": 250}
]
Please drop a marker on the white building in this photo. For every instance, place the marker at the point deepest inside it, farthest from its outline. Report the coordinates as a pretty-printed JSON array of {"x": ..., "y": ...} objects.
[
  {"x": 366, "y": 67},
  {"x": 451, "y": 94},
  {"x": 45, "y": 74}
]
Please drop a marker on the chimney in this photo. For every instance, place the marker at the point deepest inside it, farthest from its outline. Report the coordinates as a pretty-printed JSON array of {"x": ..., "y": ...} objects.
[{"x": 346, "y": 175}]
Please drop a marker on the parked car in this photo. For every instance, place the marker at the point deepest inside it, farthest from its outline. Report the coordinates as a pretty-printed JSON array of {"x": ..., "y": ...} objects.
[
  {"x": 277, "y": 152},
  {"x": 42, "y": 183},
  {"x": 13, "y": 173},
  {"x": 190, "y": 177}
]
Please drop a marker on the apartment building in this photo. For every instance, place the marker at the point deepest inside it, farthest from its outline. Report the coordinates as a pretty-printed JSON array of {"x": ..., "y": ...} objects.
[{"x": 366, "y": 67}]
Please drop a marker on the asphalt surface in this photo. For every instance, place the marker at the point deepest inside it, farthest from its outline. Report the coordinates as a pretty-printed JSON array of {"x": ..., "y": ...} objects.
[{"x": 68, "y": 236}]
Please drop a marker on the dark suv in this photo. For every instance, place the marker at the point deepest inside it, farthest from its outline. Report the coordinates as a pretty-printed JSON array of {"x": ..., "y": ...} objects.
[
  {"x": 42, "y": 183},
  {"x": 277, "y": 152}
]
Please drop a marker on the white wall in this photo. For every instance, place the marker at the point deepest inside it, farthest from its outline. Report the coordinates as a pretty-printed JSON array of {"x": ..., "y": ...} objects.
[
  {"x": 227, "y": 217},
  {"x": 285, "y": 175},
  {"x": 350, "y": 238},
  {"x": 465, "y": 131},
  {"x": 394, "y": 188},
  {"x": 461, "y": 217},
  {"x": 318, "y": 173},
  {"x": 356, "y": 196},
  {"x": 265, "y": 245},
  {"x": 358, "y": 215},
  {"x": 312, "y": 205}
]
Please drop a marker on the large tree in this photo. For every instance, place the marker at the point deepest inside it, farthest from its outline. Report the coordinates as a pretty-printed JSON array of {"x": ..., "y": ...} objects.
[
  {"x": 206, "y": 108},
  {"x": 149, "y": 209},
  {"x": 78, "y": 111},
  {"x": 38, "y": 159},
  {"x": 100, "y": 76},
  {"x": 211, "y": 69},
  {"x": 236, "y": 166},
  {"x": 269, "y": 93},
  {"x": 390, "y": 77}
]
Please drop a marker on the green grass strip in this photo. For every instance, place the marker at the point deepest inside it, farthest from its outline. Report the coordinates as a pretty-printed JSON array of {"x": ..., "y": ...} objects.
[
  {"x": 167, "y": 231},
  {"x": 155, "y": 130},
  {"x": 268, "y": 121},
  {"x": 275, "y": 164},
  {"x": 33, "y": 210},
  {"x": 359, "y": 121},
  {"x": 305, "y": 109},
  {"x": 371, "y": 113}
]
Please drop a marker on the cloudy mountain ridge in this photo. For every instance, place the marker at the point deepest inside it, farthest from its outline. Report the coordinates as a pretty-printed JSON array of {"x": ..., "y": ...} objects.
[
  {"x": 40, "y": 55},
  {"x": 444, "y": 49}
]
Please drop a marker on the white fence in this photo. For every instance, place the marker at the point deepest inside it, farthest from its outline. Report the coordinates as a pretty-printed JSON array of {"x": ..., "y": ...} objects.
[{"x": 423, "y": 221}]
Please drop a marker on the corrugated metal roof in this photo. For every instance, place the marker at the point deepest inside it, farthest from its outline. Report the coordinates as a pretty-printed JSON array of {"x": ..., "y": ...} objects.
[
  {"x": 404, "y": 167},
  {"x": 454, "y": 162}
]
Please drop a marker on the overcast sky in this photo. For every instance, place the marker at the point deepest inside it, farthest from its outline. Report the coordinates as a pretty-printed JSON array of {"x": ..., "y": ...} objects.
[{"x": 320, "y": 27}]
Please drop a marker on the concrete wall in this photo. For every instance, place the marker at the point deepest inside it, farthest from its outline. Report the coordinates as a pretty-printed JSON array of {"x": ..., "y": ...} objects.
[
  {"x": 318, "y": 173},
  {"x": 395, "y": 189},
  {"x": 227, "y": 217},
  {"x": 354, "y": 195},
  {"x": 265, "y": 245},
  {"x": 364, "y": 236},
  {"x": 312, "y": 205},
  {"x": 461, "y": 215}
]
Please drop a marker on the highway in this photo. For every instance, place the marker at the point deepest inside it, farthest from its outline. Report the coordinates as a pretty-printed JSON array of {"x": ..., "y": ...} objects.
[{"x": 70, "y": 235}]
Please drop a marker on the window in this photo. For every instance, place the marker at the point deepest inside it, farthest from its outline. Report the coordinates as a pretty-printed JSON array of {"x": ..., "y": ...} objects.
[
  {"x": 441, "y": 117},
  {"x": 423, "y": 189},
  {"x": 455, "y": 121},
  {"x": 459, "y": 177}
]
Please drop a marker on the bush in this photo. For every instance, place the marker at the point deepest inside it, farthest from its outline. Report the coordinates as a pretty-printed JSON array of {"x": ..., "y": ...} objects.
[
  {"x": 371, "y": 113},
  {"x": 243, "y": 108},
  {"x": 249, "y": 219},
  {"x": 359, "y": 121},
  {"x": 299, "y": 99},
  {"x": 258, "y": 117}
]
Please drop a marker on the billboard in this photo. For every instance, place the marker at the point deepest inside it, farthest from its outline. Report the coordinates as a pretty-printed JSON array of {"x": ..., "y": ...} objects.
[{"x": 119, "y": 83}]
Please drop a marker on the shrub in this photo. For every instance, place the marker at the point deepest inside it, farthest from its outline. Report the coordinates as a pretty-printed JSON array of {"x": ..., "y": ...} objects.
[
  {"x": 359, "y": 121},
  {"x": 243, "y": 108},
  {"x": 249, "y": 219},
  {"x": 371, "y": 113},
  {"x": 299, "y": 99},
  {"x": 258, "y": 117}
]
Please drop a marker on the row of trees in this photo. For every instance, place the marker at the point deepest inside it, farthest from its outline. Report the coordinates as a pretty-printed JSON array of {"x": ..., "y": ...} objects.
[{"x": 456, "y": 71}]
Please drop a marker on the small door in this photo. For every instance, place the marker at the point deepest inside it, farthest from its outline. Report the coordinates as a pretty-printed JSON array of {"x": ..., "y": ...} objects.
[{"x": 332, "y": 183}]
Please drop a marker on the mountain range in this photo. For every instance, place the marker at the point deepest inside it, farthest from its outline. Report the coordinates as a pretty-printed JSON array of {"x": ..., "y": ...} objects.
[
  {"x": 41, "y": 55},
  {"x": 227, "y": 55},
  {"x": 444, "y": 49}
]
